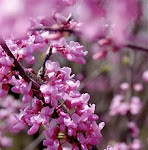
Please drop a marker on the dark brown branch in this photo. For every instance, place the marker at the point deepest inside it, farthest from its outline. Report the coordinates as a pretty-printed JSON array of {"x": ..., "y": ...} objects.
[
  {"x": 34, "y": 77},
  {"x": 52, "y": 29},
  {"x": 138, "y": 48},
  {"x": 16, "y": 63},
  {"x": 22, "y": 71}
]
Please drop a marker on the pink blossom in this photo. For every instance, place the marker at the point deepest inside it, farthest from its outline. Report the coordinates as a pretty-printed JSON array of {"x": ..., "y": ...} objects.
[
  {"x": 119, "y": 28},
  {"x": 133, "y": 129},
  {"x": 100, "y": 55},
  {"x": 28, "y": 28},
  {"x": 118, "y": 106},
  {"x": 15, "y": 16},
  {"x": 108, "y": 148},
  {"x": 33, "y": 129},
  {"x": 120, "y": 146},
  {"x": 69, "y": 2},
  {"x": 5, "y": 141},
  {"x": 73, "y": 51},
  {"x": 124, "y": 86},
  {"x": 138, "y": 87},
  {"x": 135, "y": 105},
  {"x": 9, "y": 108},
  {"x": 136, "y": 144},
  {"x": 145, "y": 76}
]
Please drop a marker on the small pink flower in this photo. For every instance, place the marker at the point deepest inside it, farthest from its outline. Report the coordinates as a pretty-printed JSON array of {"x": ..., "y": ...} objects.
[
  {"x": 145, "y": 76},
  {"x": 138, "y": 87},
  {"x": 136, "y": 145},
  {"x": 73, "y": 51},
  {"x": 133, "y": 129},
  {"x": 124, "y": 86},
  {"x": 135, "y": 105}
]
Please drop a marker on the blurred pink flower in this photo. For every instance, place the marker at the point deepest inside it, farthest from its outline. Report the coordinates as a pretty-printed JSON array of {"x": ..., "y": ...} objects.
[
  {"x": 138, "y": 87},
  {"x": 145, "y": 76},
  {"x": 135, "y": 105}
]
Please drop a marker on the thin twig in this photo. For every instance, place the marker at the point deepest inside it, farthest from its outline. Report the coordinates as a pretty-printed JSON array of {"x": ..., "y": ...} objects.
[
  {"x": 138, "y": 48},
  {"x": 34, "y": 77},
  {"x": 130, "y": 76},
  {"x": 41, "y": 71},
  {"x": 35, "y": 142},
  {"x": 52, "y": 29}
]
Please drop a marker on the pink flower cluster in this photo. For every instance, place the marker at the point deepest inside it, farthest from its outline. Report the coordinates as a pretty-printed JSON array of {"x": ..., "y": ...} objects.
[
  {"x": 133, "y": 129},
  {"x": 135, "y": 145},
  {"x": 14, "y": 17},
  {"x": 122, "y": 103},
  {"x": 8, "y": 108},
  {"x": 127, "y": 105},
  {"x": 64, "y": 111},
  {"x": 37, "y": 41},
  {"x": 23, "y": 49},
  {"x": 119, "y": 28},
  {"x": 122, "y": 107},
  {"x": 106, "y": 22},
  {"x": 60, "y": 94},
  {"x": 5, "y": 66},
  {"x": 52, "y": 99},
  {"x": 72, "y": 51}
]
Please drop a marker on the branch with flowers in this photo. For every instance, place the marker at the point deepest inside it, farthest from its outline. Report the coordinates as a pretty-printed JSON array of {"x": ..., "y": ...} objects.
[
  {"x": 42, "y": 98},
  {"x": 70, "y": 124}
]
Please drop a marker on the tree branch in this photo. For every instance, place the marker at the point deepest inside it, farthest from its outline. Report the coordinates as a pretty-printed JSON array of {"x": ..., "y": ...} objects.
[
  {"x": 52, "y": 29},
  {"x": 26, "y": 76},
  {"x": 23, "y": 73},
  {"x": 138, "y": 48},
  {"x": 34, "y": 144}
]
